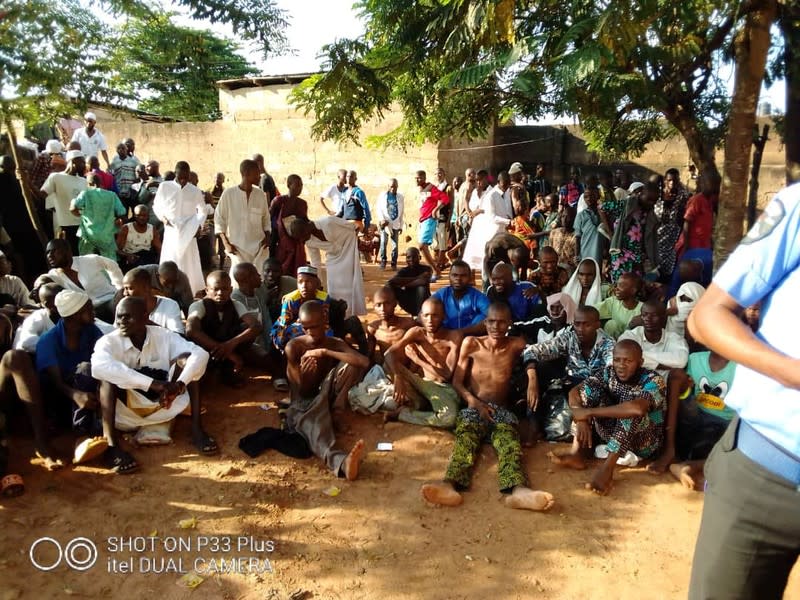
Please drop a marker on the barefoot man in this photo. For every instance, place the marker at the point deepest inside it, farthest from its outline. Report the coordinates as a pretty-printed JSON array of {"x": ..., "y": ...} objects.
[
  {"x": 483, "y": 379},
  {"x": 433, "y": 350},
  {"x": 318, "y": 367},
  {"x": 388, "y": 328},
  {"x": 625, "y": 403}
]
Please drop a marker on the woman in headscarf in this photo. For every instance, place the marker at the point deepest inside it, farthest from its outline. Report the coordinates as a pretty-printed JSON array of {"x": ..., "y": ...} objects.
[
  {"x": 584, "y": 286},
  {"x": 681, "y": 305}
]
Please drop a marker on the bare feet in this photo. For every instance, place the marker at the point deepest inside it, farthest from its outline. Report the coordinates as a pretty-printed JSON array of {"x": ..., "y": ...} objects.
[
  {"x": 441, "y": 493},
  {"x": 663, "y": 462},
  {"x": 603, "y": 479},
  {"x": 391, "y": 415},
  {"x": 683, "y": 473},
  {"x": 353, "y": 461},
  {"x": 527, "y": 499},
  {"x": 570, "y": 461}
]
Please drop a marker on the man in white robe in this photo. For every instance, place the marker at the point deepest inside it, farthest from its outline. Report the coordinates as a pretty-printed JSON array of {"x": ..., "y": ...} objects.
[
  {"x": 182, "y": 208},
  {"x": 342, "y": 263}
]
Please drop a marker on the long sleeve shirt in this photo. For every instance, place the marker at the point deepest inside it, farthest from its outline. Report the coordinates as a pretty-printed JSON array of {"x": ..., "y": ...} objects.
[
  {"x": 244, "y": 221},
  {"x": 115, "y": 358},
  {"x": 671, "y": 350},
  {"x": 566, "y": 345},
  {"x": 100, "y": 277},
  {"x": 382, "y": 210}
]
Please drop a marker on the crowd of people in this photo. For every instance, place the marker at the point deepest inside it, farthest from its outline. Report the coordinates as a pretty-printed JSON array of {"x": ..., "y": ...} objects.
[{"x": 148, "y": 284}]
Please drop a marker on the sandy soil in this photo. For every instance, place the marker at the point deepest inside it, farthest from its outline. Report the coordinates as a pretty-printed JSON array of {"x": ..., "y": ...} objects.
[{"x": 376, "y": 539}]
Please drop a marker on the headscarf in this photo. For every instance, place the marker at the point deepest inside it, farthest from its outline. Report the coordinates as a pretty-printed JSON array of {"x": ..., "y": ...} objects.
[
  {"x": 573, "y": 287},
  {"x": 693, "y": 291},
  {"x": 566, "y": 302}
]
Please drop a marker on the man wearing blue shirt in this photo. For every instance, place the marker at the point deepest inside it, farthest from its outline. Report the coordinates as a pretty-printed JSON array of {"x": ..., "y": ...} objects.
[
  {"x": 355, "y": 207},
  {"x": 750, "y": 533},
  {"x": 464, "y": 306},
  {"x": 520, "y": 296}
]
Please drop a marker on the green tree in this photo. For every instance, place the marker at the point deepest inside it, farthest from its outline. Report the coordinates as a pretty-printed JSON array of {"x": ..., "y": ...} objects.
[{"x": 171, "y": 70}]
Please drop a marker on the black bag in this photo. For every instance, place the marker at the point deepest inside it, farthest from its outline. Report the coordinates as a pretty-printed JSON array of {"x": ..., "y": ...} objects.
[{"x": 557, "y": 415}]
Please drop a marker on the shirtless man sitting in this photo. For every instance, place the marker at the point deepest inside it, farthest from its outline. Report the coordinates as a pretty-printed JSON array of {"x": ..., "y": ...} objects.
[
  {"x": 388, "y": 329},
  {"x": 483, "y": 379},
  {"x": 433, "y": 350},
  {"x": 625, "y": 403},
  {"x": 318, "y": 367}
]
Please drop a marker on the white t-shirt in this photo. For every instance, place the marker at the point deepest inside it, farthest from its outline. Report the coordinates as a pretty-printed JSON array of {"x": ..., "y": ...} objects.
[
  {"x": 61, "y": 190},
  {"x": 337, "y": 197},
  {"x": 90, "y": 145},
  {"x": 167, "y": 314}
]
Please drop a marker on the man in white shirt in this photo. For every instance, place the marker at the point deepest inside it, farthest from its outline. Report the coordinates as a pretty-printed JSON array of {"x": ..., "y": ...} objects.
[
  {"x": 389, "y": 212},
  {"x": 336, "y": 193},
  {"x": 161, "y": 311},
  {"x": 99, "y": 277},
  {"x": 90, "y": 138},
  {"x": 137, "y": 358},
  {"x": 61, "y": 190},
  {"x": 11, "y": 285},
  {"x": 242, "y": 220},
  {"x": 182, "y": 208},
  {"x": 667, "y": 353}
]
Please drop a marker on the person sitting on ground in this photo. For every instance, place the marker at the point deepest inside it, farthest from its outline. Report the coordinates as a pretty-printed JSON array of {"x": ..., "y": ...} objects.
[
  {"x": 625, "y": 404},
  {"x": 560, "y": 313},
  {"x": 98, "y": 276},
  {"x": 226, "y": 329},
  {"x": 101, "y": 213},
  {"x": 667, "y": 353},
  {"x": 703, "y": 417},
  {"x": 483, "y": 379},
  {"x": 134, "y": 361},
  {"x": 585, "y": 285},
  {"x": 623, "y": 305},
  {"x": 587, "y": 348},
  {"x": 432, "y": 350},
  {"x": 287, "y": 326},
  {"x": 138, "y": 242},
  {"x": 550, "y": 278},
  {"x": 520, "y": 296},
  {"x": 388, "y": 328},
  {"x": 12, "y": 289},
  {"x": 18, "y": 380},
  {"x": 63, "y": 357},
  {"x": 412, "y": 283},
  {"x": 320, "y": 368},
  {"x": 464, "y": 306},
  {"x": 681, "y": 305},
  {"x": 168, "y": 280},
  {"x": 276, "y": 285},
  {"x": 161, "y": 311},
  {"x": 252, "y": 295}
]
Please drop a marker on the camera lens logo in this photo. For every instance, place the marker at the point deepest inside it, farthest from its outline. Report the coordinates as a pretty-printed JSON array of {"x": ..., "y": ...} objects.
[{"x": 80, "y": 554}]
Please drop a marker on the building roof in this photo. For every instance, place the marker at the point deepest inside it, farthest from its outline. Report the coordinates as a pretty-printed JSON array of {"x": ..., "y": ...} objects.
[{"x": 265, "y": 81}]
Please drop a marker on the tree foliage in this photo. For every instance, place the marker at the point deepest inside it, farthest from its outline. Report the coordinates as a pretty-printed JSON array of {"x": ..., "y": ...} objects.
[
  {"x": 172, "y": 70},
  {"x": 457, "y": 66}
]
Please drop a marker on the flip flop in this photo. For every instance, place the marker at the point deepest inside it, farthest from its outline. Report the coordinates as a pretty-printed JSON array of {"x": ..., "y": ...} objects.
[
  {"x": 89, "y": 449},
  {"x": 51, "y": 464},
  {"x": 207, "y": 446},
  {"x": 280, "y": 384},
  {"x": 12, "y": 486},
  {"x": 120, "y": 462}
]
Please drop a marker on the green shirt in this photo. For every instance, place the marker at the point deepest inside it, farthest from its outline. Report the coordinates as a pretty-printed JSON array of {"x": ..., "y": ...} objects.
[
  {"x": 711, "y": 387},
  {"x": 617, "y": 316},
  {"x": 98, "y": 209}
]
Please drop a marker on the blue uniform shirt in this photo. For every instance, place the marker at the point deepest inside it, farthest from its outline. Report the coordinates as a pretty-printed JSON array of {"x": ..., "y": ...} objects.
[
  {"x": 765, "y": 267},
  {"x": 471, "y": 309}
]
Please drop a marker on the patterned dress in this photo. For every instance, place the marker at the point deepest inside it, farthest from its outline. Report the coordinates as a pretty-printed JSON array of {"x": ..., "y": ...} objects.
[
  {"x": 670, "y": 224},
  {"x": 630, "y": 259},
  {"x": 641, "y": 435}
]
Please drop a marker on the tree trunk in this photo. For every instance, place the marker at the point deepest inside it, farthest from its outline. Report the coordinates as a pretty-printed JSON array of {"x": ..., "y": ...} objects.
[
  {"x": 700, "y": 151},
  {"x": 751, "y": 45},
  {"x": 790, "y": 27}
]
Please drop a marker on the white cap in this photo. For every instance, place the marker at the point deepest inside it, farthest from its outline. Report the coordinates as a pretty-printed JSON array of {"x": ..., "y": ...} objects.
[
  {"x": 515, "y": 168},
  {"x": 90, "y": 116},
  {"x": 53, "y": 147},
  {"x": 636, "y": 185},
  {"x": 72, "y": 154},
  {"x": 69, "y": 302}
]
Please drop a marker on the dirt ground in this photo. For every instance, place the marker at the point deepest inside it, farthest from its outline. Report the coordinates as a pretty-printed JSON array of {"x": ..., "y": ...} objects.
[{"x": 375, "y": 539}]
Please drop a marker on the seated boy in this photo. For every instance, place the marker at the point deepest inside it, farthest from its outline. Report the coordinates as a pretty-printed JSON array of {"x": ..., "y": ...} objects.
[
  {"x": 703, "y": 417},
  {"x": 133, "y": 366},
  {"x": 388, "y": 329},
  {"x": 161, "y": 311},
  {"x": 433, "y": 350},
  {"x": 287, "y": 326},
  {"x": 483, "y": 379},
  {"x": 225, "y": 329},
  {"x": 138, "y": 242},
  {"x": 618, "y": 309},
  {"x": 625, "y": 403},
  {"x": 319, "y": 368},
  {"x": 412, "y": 283}
]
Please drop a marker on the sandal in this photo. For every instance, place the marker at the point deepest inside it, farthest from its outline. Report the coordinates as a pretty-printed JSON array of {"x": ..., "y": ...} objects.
[
  {"x": 12, "y": 486},
  {"x": 89, "y": 449},
  {"x": 51, "y": 464},
  {"x": 206, "y": 444},
  {"x": 280, "y": 384},
  {"x": 120, "y": 462}
]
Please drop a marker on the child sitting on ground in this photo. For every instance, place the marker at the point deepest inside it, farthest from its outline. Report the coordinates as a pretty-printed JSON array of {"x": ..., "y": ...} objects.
[
  {"x": 388, "y": 329},
  {"x": 618, "y": 309},
  {"x": 226, "y": 329}
]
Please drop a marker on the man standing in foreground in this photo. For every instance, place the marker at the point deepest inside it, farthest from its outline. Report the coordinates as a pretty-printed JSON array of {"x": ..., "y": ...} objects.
[{"x": 750, "y": 533}]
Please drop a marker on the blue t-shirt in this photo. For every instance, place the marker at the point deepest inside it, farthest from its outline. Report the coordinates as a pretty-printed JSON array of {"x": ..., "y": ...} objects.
[
  {"x": 51, "y": 349},
  {"x": 522, "y": 308},
  {"x": 356, "y": 207},
  {"x": 471, "y": 309},
  {"x": 765, "y": 267}
]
